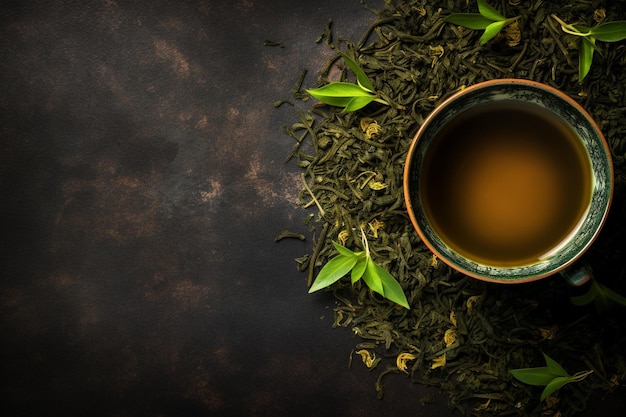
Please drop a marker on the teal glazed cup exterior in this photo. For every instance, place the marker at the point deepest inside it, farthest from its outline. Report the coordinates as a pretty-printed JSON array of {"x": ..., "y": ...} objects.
[{"x": 548, "y": 99}]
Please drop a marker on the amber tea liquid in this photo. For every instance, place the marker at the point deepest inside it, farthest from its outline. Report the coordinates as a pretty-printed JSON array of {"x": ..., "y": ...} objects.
[{"x": 505, "y": 183}]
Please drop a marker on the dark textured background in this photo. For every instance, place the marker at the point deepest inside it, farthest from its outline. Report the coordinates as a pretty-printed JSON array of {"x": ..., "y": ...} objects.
[{"x": 142, "y": 184}]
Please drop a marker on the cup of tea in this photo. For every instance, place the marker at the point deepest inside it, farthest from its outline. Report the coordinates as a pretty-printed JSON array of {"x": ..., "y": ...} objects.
[{"x": 509, "y": 181}]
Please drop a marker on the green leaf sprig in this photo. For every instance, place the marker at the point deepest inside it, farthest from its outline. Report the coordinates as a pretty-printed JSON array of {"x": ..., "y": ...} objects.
[
  {"x": 360, "y": 265},
  {"x": 488, "y": 19},
  {"x": 604, "y": 32},
  {"x": 603, "y": 297},
  {"x": 552, "y": 376},
  {"x": 350, "y": 96}
]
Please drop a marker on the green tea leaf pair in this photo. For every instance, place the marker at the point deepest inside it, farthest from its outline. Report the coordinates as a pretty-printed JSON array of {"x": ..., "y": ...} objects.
[
  {"x": 488, "y": 19},
  {"x": 552, "y": 376},
  {"x": 604, "y": 32},
  {"x": 603, "y": 297},
  {"x": 350, "y": 96},
  {"x": 359, "y": 265}
]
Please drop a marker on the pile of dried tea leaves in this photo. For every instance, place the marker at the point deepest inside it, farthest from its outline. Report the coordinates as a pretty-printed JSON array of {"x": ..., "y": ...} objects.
[{"x": 461, "y": 335}]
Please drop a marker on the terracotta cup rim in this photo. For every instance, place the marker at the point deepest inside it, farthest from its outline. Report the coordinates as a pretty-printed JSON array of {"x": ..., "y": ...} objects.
[{"x": 479, "y": 273}]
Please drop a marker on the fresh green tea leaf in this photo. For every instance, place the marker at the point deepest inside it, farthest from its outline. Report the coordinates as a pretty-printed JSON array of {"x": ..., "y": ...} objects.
[
  {"x": 585, "y": 57},
  {"x": 392, "y": 289},
  {"x": 554, "y": 385},
  {"x": 586, "y": 298},
  {"x": 533, "y": 376},
  {"x": 338, "y": 89},
  {"x": 357, "y": 103},
  {"x": 609, "y": 31},
  {"x": 343, "y": 250},
  {"x": 372, "y": 278},
  {"x": 361, "y": 78},
  {"x": 468, "y": 20},
  {"x": 334, "y": 269},
  {"x": 489, "y": 12},
  {"x": 554, "y": 367},
  {"x": 332, "y": 101},
  {"x": 491, "y": 31},
  {"x": 359, "y": 268},
  {"x": 341, "y": 94}
]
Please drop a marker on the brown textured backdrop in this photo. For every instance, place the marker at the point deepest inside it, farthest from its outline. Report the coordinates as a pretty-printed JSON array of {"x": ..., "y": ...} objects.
[{"x": 142, "y": 184}]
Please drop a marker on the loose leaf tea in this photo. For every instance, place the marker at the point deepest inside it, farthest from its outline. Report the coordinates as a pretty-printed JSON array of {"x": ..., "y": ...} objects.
[{"x": 461, "y": 336}]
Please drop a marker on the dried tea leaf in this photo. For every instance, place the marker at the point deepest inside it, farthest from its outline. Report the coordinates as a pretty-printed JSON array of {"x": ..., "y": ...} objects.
[{"x": 377, "y": 185}]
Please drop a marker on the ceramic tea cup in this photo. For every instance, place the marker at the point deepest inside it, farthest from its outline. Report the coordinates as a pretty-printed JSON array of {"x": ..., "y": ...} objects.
[{"x": 509, "y": 181}]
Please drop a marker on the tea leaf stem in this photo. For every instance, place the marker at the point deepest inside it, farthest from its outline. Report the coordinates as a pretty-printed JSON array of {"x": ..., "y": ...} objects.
[
  {"x": 317, "y": 203},
  {"x": 579, "y": 376},
  {"x": 567, "y": 28}
]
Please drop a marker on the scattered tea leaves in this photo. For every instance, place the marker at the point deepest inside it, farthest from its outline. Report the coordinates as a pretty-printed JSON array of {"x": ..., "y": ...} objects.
[{"x": 484, "y": 330}]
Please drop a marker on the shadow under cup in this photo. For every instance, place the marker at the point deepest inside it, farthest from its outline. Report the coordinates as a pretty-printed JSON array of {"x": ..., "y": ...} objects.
[{"x": 508, "y": 181}]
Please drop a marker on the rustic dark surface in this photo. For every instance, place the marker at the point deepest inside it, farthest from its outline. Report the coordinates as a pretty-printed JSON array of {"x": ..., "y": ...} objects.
[{"x": 142, "y": 185}]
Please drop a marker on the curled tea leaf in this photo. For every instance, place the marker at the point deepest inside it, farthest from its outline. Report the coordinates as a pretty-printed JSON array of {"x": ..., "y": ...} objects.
[
  {"x": 377, "y": 185},
  {"x": 438, "y": 362},
  {"x": 402, "y": 359}
]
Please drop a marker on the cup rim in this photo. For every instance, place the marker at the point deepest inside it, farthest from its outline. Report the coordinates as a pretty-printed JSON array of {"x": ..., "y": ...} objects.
[{"x": 442, "y": 107}]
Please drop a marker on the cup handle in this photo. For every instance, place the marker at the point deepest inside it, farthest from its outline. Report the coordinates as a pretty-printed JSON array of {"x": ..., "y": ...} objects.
[{"x": 578, "y": 274}]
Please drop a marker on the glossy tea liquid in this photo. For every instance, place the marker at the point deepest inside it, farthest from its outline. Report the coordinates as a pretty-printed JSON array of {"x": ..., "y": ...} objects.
[{"x": 505, "y": 183}]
